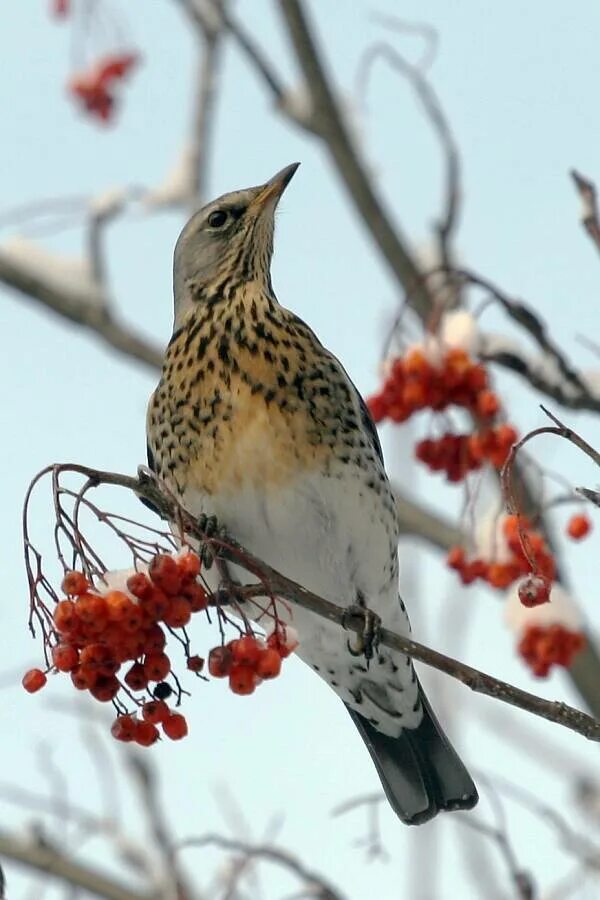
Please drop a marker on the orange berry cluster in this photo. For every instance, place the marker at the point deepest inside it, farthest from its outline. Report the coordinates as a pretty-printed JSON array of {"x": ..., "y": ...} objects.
[
  {"x": 542, "y": 647},
  {"x": 248, "y": 660},
  {"x": 94, "y": 89},
  {"x": 529, "y": 552},
  {"x": 97, "y": 633},
  {"x": 414, "y": 384},
  {"x": 459, "y": 454},
  {"x": 579, "y": 526}
]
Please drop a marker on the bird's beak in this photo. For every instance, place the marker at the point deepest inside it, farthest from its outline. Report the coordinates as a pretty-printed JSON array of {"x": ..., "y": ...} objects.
[{"x": 271, "y": 192}]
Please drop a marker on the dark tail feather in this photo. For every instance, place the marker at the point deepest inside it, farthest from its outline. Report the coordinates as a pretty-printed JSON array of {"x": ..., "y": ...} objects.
[{"x": 420, "y": 771}]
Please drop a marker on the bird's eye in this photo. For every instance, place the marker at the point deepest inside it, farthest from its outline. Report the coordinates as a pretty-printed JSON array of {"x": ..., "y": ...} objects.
[{"x": 217, "y": 218}]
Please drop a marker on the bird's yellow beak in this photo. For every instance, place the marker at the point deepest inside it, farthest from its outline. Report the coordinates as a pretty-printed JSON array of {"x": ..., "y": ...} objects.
[{"x": 274, "y": 188}]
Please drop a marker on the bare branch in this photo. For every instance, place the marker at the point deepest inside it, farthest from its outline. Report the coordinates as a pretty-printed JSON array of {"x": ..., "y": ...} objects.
[
  {"x": 318, "y": 887},
  {"x": 348, "y": 162},
  {"x": 573, "y": 391},
  {"x": 174, "y": 883},
  {"x": 416, "y": 519},
  {"x": 90, "y": 311},
  {"x": 589, "y": 211},
  {"x": 433, "y": 109},
  {"x": 38, "y": 854}
]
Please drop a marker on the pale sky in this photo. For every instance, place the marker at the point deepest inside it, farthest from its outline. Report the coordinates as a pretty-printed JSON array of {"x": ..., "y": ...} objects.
[{"x": 519, "y": 84}]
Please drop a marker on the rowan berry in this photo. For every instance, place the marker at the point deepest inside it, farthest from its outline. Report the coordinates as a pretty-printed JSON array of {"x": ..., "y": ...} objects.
[
  {"x": 90, "y": 608},
  {"x": 119, "y": 606},
  {"x": 220, "y": 661},
  {"x": 534, "y": 591},
  {"x": 178, "y": 614},
  {"x": 245, "y": 651},
  {"x": 65, "y": 618},
  {"x": 155, "y": 711},
  {"x": 189, "y": 564},
  {"x": 487, "y": 404},
  {"x": 145, "y": 734},
  {"x": 196, "y": 595},
  {"x": 195, "y": 663},
  {"x": 139, "y": 585},
  {"x": 578, "y": 527},
  {"x": 136, "y": 678},
  {"x": 175, "y": 727},
  {"x": 105, "y": 689},
  {"x": 156, "y": 666},
  {"x": 242, "y": 679},
  {"x": 65, "y": 657},
  {"x": 123, "y": 728},
  {"x": 33, "y": 680},
  {"x": 165, "y": 573},
  {"x": 75, "y": 583},
  {"x": 269, "y": 664}
]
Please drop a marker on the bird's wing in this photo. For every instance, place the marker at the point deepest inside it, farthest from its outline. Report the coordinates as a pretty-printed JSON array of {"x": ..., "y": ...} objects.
[{"x": 367, "y": 422}]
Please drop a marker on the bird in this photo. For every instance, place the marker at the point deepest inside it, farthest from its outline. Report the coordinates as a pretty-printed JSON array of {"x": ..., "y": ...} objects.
[{"x": 256, "y": 423}]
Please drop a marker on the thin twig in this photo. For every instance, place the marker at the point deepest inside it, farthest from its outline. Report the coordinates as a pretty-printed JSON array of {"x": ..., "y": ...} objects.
[
  {"x": 319, "y": 888},
  {"x": 448, "y": 221},
  {"x": 348, "y": 162},
  {"x": 589, "y": 212}
]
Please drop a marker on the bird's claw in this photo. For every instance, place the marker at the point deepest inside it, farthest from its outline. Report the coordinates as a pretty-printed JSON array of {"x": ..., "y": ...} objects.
[
  {"x": 228, "y": 593},
  {"x": 367, "y": 640},
  {"x": 211, "y": 528}
]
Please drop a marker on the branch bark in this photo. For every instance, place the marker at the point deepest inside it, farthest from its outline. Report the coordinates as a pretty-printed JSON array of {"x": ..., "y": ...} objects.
[
  {"x": 88, "y": 309},
  {"x": 51, "y": 861},
  {"x": 347, "y": 160}
]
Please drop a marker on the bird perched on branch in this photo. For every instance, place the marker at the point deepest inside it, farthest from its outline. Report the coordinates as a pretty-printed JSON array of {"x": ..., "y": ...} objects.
[{"x": 256, "y": 422}]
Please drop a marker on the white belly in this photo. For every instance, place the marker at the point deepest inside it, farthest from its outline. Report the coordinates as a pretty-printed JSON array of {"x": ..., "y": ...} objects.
[{"x": 327, "y": 535}]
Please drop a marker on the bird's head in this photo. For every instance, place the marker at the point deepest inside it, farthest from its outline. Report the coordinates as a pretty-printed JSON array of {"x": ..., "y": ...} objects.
[{"x": 227, "y": 242}]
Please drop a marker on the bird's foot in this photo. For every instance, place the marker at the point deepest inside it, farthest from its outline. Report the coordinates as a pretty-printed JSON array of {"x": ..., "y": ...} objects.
[
  {"x": 367, "y": 639},
  {"x": 212, "y": 530},
  {"x": 228, "y": 592}
]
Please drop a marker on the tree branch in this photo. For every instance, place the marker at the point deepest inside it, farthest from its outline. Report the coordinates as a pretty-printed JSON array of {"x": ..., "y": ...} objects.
[
  {"x": 48, "y": 859},
  {"x": 417, "y": 520},
  {"x": 349, "y": 166},
  {"x": 318, "y": 887},
  {"x": 273, "y": 583},
  {"x": 86, "y": 308}
]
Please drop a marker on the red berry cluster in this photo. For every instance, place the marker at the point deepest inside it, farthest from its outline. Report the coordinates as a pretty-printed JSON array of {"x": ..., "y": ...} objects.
[
  {"x": 414, "y": 384},
  {"x": 97, "y": 633},
  {"x": 459, "y": 454},
  {"x": 248, "y": 660},
  {"x": 94, "y": 89},
  {"x": 551, "y": 645},
  {"x": 528, "y": 550},
  {"x": 579, "y": 526}
]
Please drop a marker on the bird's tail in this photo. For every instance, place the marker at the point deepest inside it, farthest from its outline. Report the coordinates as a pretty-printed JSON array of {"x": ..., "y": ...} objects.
[{"x": 420, "y": 771}]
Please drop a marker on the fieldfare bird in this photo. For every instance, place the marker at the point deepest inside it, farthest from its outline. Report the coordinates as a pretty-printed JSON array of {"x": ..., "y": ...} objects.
[{"x": 255, "y": 422}]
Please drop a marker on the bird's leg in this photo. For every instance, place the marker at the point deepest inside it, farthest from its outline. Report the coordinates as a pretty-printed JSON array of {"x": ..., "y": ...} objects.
[
  {"x": 211, "y": 528},
  {"x": 367, "y": 640}
]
